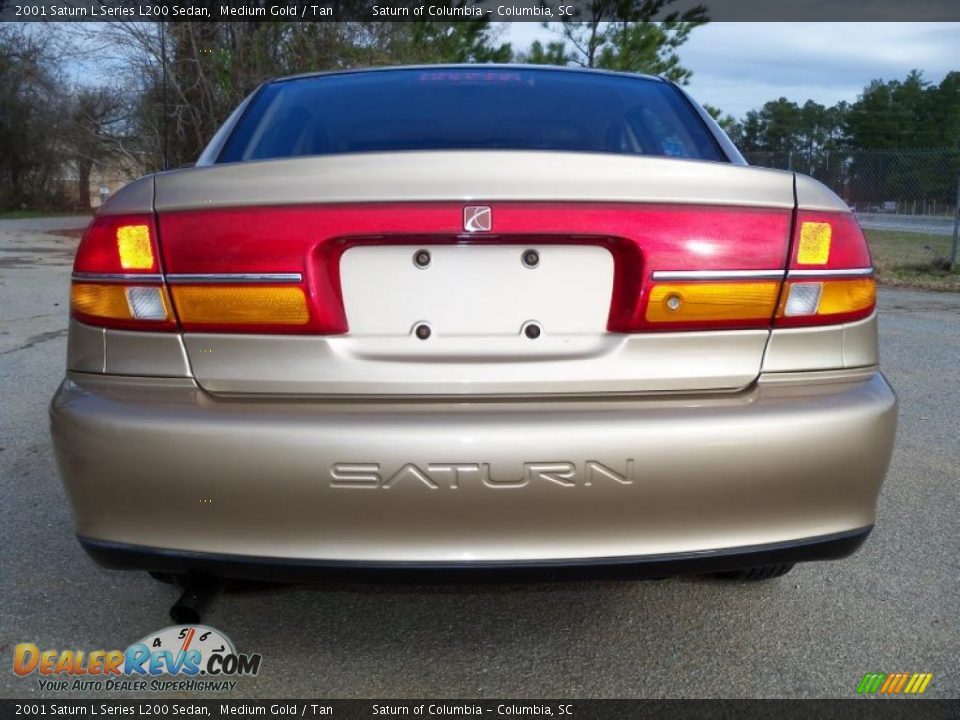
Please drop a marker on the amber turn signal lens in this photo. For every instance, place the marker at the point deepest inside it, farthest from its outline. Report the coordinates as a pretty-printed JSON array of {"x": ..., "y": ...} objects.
[
  {"x": 106, "y": 301},
  {"x": 836, "y": 297},
  {"x": 847, "y": 296},
  {"x": 699, "y": 302},
  {"x": 240, "y": 305},
  {"x": 119, "y": 302}
]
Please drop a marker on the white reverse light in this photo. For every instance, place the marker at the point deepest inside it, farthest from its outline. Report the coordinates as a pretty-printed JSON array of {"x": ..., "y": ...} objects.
[
  {"x": 803, "y": 299},
  {"x": 146, "y": 303}
]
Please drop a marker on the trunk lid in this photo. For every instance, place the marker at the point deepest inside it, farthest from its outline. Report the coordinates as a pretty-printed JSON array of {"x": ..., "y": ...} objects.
[{"x": 350, "y": 228}]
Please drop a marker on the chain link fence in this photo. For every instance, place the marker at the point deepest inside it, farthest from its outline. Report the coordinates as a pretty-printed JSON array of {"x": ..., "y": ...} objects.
[{"x": 906, "y": 202}]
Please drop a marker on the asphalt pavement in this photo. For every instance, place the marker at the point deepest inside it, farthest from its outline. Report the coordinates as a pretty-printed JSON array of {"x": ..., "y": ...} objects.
[{"x": 814, "y": 633}]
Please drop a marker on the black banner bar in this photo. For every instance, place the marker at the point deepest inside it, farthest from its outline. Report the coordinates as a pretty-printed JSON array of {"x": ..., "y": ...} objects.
[
  {"x": 465, "y": 10},
  {"x": 861, "y": 709}
]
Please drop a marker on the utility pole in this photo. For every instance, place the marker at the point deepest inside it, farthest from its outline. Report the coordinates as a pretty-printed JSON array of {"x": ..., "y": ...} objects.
[
  {"x": 163, "y": 90},
  {"x": 956, "y": 232}
]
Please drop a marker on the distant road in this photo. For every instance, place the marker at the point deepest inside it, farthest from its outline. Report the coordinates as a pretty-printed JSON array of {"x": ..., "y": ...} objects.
[
  {"x": 922, "y": 224},
  {"x": 44, "y": 224}
]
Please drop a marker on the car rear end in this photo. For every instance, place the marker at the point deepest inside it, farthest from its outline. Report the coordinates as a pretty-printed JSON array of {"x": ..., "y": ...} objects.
[{"x": 532, "y": 319}]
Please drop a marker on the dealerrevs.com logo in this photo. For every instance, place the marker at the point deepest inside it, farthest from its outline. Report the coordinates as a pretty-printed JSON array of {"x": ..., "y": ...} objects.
[{"x": 178, "y": 658}]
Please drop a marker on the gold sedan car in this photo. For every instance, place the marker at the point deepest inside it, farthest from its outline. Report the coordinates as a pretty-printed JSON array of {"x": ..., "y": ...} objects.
[{"x": 459, "y": 319}]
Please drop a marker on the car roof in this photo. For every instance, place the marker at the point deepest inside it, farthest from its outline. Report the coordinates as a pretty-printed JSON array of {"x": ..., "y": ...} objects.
[{"x": 469, "y": 66}]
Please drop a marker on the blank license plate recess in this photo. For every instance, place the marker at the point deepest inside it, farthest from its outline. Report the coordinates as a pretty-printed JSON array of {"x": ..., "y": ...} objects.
[{"x": 474, "y": 290}]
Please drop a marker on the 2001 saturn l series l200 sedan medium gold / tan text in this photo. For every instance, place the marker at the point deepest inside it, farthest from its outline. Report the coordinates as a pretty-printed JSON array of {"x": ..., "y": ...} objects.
[{"x": 451, "y": 319}]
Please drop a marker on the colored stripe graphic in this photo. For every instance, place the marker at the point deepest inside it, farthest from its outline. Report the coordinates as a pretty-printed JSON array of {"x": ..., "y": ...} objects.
[
  {"x": 918, "y": 683},
  {"x": 900, "y": 682},
  {"x": 871, "y": 683},
  {"x": 889, "y": 683},
  {"x": 894, "y": 683}
]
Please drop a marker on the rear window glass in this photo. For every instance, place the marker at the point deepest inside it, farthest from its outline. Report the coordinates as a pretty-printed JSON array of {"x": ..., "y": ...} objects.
[{"x": 467, "y": 109}]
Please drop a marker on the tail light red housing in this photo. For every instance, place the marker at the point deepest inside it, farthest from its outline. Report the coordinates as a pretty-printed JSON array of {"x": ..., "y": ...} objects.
[
  {"x": 831, "y": 272},
  {"x": 99, "y": 251},
  {"x": 677, "y": 267},
  {"x": 643, "y": 239},
  {"x": 118, "y": 280}
]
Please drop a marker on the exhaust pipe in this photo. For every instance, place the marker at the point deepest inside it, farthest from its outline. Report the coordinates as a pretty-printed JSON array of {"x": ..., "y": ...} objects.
[{"x": 198, "y": 593}]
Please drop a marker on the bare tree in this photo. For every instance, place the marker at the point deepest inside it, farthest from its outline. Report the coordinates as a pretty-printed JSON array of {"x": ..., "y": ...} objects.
[
  {"x": 31, "y": 119},
  {"x": 183, "y": 79},
  {"x": 92, "y": 132}
]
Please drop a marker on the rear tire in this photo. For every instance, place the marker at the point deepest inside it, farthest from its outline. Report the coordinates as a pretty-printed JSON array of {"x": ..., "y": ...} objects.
[
  {"x": 228, "y": 585},
  {"x": 764, "y": 572},
  {"x": 164, "y": 577}
]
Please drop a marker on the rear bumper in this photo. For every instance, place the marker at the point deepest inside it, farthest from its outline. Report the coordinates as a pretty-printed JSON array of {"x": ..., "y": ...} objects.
[
  {"x": 120, "y": 556},
  {"x": 162, "y": 476}
]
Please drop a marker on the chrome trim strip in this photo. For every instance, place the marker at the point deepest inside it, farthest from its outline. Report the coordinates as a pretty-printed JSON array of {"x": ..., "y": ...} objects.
[
  {"x": 117, "y": 277},
  {"x": 181, "y": 278},
  {"x": 830, "y": 273},
  {"x": 755, "y": 274},
  {"x": 717, "y": 274}
]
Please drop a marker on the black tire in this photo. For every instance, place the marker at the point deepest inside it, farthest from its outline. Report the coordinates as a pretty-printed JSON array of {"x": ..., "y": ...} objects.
[
  {"x": 164, "y": 577},
  {"x": 764, "y": 572},
  {"x": 228, "y": 585}
]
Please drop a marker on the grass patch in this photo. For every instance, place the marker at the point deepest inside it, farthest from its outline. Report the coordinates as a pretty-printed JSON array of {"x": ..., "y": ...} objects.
[{"x": 913, "y": 259}]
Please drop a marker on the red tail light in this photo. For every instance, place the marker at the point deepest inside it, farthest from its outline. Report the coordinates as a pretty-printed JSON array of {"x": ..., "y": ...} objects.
[
  {"x": 276, "y": 269},
  {"x": 645, "y": 242},
  {"x": 707, "y": 268},
  {"x": 830, "y": 279},
  {"x": 254, "y": 270},
  {"x": 117, "y": 276},
  {"x": 119, "y": 244}
]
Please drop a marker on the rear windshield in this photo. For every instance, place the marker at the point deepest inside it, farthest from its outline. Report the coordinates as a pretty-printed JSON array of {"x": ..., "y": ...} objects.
[{"x": 467, "y": 109}]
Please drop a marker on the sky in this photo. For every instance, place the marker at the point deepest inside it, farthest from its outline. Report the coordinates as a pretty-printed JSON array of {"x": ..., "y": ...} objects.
[{"x": 739, "y": 66}]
